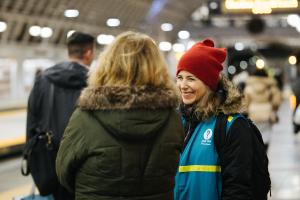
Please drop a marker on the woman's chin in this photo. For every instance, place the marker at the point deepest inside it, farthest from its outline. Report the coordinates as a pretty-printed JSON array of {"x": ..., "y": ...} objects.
[{"x": 188, "y": 101}]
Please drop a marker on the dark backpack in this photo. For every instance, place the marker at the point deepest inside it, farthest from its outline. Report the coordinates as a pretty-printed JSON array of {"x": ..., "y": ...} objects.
[
  {"x": 39, "y": 156},
  {"x": 261, "y": 182}
]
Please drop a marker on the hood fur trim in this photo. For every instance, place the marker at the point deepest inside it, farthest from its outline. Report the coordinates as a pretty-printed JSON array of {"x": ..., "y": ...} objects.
[
  {"x": 234, "y": 102},
  {"x": 137, "y": 97},
  {"x": 210, "y": 106}
]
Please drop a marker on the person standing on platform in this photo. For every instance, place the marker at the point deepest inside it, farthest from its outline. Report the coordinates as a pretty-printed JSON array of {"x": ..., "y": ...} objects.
[
  {"x": 67, "y": 80},
  {"x": 124, "y": 139},
  {"x": 204, "y": 174},
  {"x": 263, "y": 99}
]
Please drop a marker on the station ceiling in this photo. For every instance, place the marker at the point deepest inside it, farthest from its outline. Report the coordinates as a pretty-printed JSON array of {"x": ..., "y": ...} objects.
[{"x": 138, "y": 15}]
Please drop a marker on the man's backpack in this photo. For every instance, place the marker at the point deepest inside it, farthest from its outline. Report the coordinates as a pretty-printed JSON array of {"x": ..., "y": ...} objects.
[
  {"x": 261, "y": 182},
  {"x": 39, "y": 156}
]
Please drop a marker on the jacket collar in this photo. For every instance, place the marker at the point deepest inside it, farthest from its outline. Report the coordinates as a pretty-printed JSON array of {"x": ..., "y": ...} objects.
[{"x": 125, "y": 97}]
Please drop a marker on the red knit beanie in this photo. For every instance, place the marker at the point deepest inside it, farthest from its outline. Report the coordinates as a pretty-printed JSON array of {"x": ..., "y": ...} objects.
[{"x": 204, "y": 61}]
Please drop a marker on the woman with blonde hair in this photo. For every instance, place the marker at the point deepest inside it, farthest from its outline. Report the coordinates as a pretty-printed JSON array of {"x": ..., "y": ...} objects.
[{"x": 124, "y": 139}]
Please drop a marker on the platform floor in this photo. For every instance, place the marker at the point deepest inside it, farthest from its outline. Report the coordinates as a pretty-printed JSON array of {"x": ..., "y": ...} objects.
[{"x": 284, "y": 155}]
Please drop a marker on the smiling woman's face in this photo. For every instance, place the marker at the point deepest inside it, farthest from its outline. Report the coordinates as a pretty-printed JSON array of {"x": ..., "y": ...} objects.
[{"x": 191, "y": 88}]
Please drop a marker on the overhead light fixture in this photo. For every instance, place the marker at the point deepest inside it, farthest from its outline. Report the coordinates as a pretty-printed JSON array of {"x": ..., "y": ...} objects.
[
  {"x": 113, "y": 22},
  {"x": 70, "y": 33},
  {"x": 231, "y": 69},
  {"x": 184, "y": 34},
  {"x": 201, "y": 13},
  {"x": 165, "y": 46},
  {"x": 292, "y": 60},
  {"x": 35, "y": 31},
  {"x": 239, "y": 46},
  {"x": 243, "y": 64},
  {"x": 178, "y": 47},
  {"x": 166, "y": 27},
  {"x": 71, "y": 13},
  {"x": 105, "y": 39},
  {"x": 260, "y": 63},
  {"x": 261, "y": 10},
  {"x": 293, "y": 20},
  {"x": 46, "y": 32},
  {"x": 260, "y": 6},
  {"x": 3, "y": 26},
  {"x": 213, "y": 5}
]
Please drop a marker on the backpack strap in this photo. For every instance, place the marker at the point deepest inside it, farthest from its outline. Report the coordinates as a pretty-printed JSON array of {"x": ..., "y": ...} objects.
[
  {"x": 220, "y": 133},
  {"x": 223, "y": 124}
]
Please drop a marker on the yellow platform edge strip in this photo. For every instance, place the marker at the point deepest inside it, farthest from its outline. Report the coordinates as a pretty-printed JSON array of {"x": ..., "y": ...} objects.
[
  {"x": 12, "y": 112},
  {"x": 13, "y": 142}
]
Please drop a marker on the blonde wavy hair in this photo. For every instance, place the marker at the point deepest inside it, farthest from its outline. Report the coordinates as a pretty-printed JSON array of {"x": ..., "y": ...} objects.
[
  {"x": 133, "y": 59},
  {"x": 210, "y": 105}
]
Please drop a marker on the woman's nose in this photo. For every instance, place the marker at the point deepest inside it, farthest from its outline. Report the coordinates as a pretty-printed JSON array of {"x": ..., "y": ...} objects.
[{"x": 183, "y": 85}]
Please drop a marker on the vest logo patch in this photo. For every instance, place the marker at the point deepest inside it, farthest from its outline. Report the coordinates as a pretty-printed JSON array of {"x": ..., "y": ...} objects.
[{"x": 207, "y": 137}]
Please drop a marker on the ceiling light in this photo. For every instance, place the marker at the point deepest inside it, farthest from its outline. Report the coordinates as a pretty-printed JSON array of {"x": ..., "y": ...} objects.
[
  {"x": 201, "y": 13},
  {"x": 260, "y": 64},
  {"x": 71, "y": 13},
  {"x": 113, "y": 22},
  {"x": 239, "y": 46},
  {"x": 213, "y": 5},
  {"x": 3, "y": 26},
  {"x": 178, "y": 47},
  {"x": 183, "y": 34},
  {"x": 260, "y": 6},
  {"x": 166, "y": 27},
  {"x": 46, "y": 32},
  {"x": 243, "y": 64},
  {"x": 231, "y": 69},
  {"x": 105, "y": 39},
  {"x": 70, "y": 33},
  {"x": 165, "y": 46},
  {"x": 35, "y": 31},
  {"x": 293, "y": 20},
  {"x": 262, "y": 10},
  {"x": 292, "y": 60}
]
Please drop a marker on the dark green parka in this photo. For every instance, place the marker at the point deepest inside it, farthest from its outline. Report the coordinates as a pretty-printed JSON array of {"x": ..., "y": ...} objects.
[{"x": 122, "y": 143}]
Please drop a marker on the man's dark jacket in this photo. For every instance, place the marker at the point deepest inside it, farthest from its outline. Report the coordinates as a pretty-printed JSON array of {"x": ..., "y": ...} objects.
[{"x": 68, "y": 78}]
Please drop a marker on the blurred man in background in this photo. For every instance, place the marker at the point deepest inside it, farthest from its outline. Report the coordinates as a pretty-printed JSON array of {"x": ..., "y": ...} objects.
[{"x": 67, "y": 80}]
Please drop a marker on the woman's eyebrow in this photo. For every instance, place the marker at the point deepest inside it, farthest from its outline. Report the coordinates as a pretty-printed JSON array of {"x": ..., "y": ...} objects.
[{"x": 189, "y": 76}]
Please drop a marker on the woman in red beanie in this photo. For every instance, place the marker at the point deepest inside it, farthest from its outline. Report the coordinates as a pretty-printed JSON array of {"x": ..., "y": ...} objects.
[{"x": 206, "y": 94}]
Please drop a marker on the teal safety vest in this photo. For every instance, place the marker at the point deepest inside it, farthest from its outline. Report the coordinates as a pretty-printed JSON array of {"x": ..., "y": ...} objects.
[{"x": 198, "y": 176}]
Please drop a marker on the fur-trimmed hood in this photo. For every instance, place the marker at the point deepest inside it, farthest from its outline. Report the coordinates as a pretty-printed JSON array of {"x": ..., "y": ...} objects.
[
  {"x": 132, "y": 113},
  {"x": 210, "y": 107},
  {"x": 119, "y": 98},
  {"x": 234, "y": 102}
]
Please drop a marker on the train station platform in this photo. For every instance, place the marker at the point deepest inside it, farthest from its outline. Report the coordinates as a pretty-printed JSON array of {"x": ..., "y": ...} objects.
[{"x": 284, "y": 156}]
